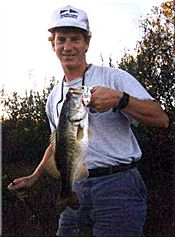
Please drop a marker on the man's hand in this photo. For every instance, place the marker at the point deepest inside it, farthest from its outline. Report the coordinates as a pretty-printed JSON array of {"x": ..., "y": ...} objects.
[{"x": 104, "y": 98}]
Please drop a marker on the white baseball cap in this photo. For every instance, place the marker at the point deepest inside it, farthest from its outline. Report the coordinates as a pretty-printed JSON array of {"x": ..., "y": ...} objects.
[{"x": 69, "y": 16}]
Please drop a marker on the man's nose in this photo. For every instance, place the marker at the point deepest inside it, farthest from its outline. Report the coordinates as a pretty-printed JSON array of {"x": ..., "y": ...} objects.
[{"x": 67, "y": 45}]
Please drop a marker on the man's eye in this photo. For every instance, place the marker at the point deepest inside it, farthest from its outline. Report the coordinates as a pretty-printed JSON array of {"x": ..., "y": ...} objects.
[
  {"x": 60, "y": 40},
  {"x": 75, "y": 39}
]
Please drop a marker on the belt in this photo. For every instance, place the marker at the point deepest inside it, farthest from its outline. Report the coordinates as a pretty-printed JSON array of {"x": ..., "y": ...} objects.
[{"x": 110, "y": 170}]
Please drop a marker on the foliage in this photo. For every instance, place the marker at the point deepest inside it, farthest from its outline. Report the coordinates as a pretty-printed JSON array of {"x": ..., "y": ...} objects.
[
  {"x": 25, "y": 129},
  {"x": 153, "y": 63}
]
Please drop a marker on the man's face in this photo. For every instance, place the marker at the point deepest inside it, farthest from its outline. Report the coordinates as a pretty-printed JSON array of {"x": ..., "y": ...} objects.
[{"x": 70, "y": 48}]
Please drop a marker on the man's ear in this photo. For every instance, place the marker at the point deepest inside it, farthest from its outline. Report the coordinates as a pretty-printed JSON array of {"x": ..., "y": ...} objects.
[
  {"x": 53, "y": 46},
  {"x": 87, "y": 47},
  {"x": 51, "y": 39}
]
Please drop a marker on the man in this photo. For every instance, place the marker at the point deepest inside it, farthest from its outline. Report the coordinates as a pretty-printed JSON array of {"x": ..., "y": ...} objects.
[{"x": 113, "y": 196}]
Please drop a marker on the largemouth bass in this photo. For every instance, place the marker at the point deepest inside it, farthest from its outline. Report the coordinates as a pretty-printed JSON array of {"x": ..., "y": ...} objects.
[{"x": 70, "y": 142}]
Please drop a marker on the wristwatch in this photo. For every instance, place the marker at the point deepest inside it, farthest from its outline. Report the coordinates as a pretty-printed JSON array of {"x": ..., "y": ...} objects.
[{"x": 122, "y": 103}]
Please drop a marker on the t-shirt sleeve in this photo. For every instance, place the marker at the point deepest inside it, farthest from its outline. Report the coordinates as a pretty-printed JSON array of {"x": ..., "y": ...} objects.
[{"x": 127, "y": 83}]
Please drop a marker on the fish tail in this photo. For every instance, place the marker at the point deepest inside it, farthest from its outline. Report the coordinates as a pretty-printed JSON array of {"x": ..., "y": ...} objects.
[{"x": 71, "y": 201}]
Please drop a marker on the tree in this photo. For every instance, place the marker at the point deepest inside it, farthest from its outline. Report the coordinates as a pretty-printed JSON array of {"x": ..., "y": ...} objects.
[
  {"x": 25, "y": 127},
  {"x": 153, "y": 62}
]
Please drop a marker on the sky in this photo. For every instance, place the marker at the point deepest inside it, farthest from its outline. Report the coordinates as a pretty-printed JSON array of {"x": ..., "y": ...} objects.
[{"x": 27, "y": 60}]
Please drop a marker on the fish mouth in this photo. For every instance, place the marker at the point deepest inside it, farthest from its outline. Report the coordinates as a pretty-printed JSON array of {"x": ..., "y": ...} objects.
[{"x": 78, "y": 120}]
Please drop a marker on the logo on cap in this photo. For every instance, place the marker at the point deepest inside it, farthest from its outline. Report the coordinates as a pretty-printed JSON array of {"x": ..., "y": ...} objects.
[{"x": 68, "y": 13}]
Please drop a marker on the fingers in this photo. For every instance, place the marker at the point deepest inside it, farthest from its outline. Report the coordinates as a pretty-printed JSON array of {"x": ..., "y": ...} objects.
[
  {"x": 93, "y": 103},
  {"x": 18, "y": 190},
  {"x": 94, "y": 88},
  {"x": 23, "y": 182},
  {"x": 102, "y": 99},
  {"x": 16, "y": 184}
]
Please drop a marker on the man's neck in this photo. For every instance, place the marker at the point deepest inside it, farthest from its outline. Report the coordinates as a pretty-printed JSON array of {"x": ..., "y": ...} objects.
[{"x": 73, "y": 73}]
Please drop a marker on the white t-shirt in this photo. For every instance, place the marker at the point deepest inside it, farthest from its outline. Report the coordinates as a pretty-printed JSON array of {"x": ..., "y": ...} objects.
[{"x": 112, "y": 141}]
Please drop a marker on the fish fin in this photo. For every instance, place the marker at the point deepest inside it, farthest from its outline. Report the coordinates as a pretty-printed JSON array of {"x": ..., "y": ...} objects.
[
  {"x": 50, "y": 165},
  {"x": 53, "y": 139},
  {"x": 80, "y": 133},
  {"x": 82, "y": 172},
  {"x": 71, "y": 201}
]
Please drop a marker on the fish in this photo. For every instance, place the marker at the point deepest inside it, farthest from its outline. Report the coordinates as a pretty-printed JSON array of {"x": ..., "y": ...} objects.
[{"x": 70, "y": 143}]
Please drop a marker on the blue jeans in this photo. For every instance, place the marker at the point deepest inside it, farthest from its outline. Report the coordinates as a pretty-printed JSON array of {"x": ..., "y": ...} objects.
[{"x": 110, "y": 206}]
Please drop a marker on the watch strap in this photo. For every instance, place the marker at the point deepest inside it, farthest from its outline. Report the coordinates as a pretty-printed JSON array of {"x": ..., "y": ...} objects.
[{"x": 122, "y": 103}]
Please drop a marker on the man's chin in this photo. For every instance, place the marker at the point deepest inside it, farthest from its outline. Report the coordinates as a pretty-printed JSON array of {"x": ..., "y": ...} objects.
[{"x": 70, "y": 65}]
